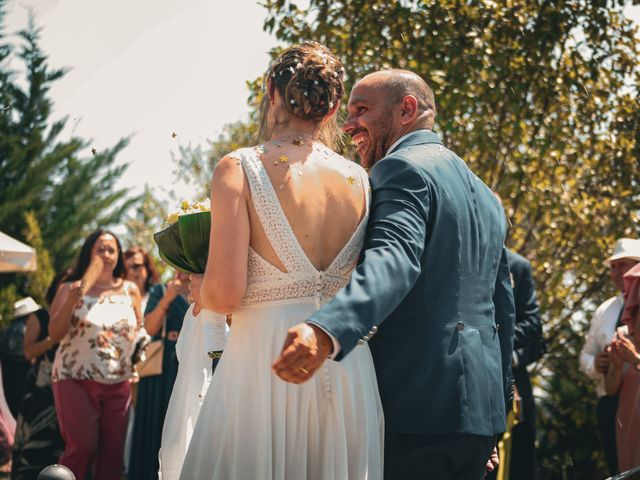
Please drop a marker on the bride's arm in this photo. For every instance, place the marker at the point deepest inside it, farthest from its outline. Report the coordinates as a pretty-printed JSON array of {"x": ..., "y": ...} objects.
[{"x": 225, "y": 278}]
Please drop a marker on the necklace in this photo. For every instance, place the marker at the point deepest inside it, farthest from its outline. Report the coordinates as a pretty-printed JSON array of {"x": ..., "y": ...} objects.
[{"x": 295, "y": 136}]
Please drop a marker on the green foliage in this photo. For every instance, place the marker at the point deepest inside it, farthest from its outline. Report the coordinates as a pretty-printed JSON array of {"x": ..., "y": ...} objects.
[
  {"x": 144, "y": 221},
  {"x": 38, "y": 282},
  {"x": 8, "y": 296},
  {"x": 67, "y": 192},
  {"x": 194, "y": 165}
]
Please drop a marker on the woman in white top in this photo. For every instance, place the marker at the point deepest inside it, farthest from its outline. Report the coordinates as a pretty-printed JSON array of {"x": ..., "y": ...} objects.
[
  {"x": 289, "y": 218},
  {"x": 96, "y": 324}
]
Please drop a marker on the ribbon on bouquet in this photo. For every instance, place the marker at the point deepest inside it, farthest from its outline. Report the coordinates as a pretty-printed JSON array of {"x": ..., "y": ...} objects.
[{"x": 214, "y": 331}]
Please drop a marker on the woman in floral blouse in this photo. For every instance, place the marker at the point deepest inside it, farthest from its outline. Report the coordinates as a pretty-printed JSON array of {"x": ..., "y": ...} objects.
[{"x": 96, "y": 317}]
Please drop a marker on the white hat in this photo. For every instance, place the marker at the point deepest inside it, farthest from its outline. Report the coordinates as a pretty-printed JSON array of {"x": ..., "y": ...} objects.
[
  {"x": 25, "y": 306},
  {"x": 625, "y": 248}
]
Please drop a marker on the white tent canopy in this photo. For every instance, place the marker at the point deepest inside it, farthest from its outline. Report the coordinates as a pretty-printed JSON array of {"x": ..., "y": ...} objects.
[{"x": 15, "y": 256}]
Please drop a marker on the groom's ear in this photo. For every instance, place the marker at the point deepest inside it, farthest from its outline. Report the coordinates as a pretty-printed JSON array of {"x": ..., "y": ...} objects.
[{"x": 408, "y": 110}]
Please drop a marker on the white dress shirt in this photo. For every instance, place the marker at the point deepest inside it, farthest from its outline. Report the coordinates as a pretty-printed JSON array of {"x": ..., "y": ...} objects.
[{"x": 601, "y": 332}]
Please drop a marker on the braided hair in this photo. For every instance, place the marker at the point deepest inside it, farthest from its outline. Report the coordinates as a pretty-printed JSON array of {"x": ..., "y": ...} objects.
[{"x": 309, "y": 78}]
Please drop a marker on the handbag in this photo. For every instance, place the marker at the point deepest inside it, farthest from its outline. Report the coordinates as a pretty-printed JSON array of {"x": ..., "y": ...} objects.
[{"x": 150, "y": 363}]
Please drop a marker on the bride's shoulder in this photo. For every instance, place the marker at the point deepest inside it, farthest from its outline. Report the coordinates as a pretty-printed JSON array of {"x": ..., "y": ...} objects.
[
  {"x": 341, "y": 162},
  {"x": 228, "y": 170}
]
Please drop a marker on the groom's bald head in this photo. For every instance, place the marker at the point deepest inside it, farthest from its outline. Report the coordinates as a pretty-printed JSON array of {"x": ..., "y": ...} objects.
[
  {"x": 400, "y": 83},
  {"x": 383, "y": 107}
]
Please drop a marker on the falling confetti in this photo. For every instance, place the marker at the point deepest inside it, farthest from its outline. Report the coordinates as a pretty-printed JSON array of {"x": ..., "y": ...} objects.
[
  {"x": 174, "y": 135},
  {"x": 94, "y": 151},
  {"x": 284, "y": 158},
  {"x": 298, "y": 142},
  {"x": 351, "y": 180}
]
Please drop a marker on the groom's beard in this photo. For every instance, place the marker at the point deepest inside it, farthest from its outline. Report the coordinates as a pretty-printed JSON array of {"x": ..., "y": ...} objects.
[{"x": 381, "y": 138}]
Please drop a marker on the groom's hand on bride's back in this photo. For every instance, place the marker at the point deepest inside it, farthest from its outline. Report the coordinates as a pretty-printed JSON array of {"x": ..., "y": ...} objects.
[{"x": 305, "y": 350}]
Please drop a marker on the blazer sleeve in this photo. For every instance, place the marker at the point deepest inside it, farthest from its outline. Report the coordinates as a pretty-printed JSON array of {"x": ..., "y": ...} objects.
[
  {"x": 528, "y": 342},
  {"x": 505, "y": 320},
  {"x": 390, "y": 262}
]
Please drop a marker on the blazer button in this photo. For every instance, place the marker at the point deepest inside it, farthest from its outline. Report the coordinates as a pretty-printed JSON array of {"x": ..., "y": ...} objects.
[
  {"x": 374, "y": 329},
  {"x": 460, "y": 326}
]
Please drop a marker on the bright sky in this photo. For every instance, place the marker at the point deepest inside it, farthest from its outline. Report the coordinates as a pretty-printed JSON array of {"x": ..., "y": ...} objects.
[{"x": 149, "y": 68}]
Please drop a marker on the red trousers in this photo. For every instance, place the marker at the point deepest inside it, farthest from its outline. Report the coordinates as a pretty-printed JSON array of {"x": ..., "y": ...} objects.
[{"x": 93, "y": 424}]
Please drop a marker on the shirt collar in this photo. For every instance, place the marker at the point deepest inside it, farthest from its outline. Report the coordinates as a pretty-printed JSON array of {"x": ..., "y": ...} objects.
[{"x": 403, "y": 138}]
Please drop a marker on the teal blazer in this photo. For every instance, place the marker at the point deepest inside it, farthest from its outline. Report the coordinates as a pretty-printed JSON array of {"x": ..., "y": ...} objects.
[{"x": 432, "y": 293}]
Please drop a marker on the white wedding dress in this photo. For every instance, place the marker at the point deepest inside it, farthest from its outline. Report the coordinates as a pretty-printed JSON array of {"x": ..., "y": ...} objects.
[
  {"x": 252, "y": 424},
  {"x": 189, "y": 389}
]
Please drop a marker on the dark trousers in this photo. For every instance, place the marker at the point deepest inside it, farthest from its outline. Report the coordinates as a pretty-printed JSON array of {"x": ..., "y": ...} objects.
[
  {"x": 606, "y": 415},
  {"x": 436, "y": 457}
]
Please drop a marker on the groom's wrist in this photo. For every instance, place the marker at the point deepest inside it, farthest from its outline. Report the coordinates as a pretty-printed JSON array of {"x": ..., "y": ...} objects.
[{"x": 334, "y": 345}]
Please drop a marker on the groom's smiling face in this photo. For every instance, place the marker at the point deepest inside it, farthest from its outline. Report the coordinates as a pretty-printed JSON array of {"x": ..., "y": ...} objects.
[{"x": 370, "y": 120}]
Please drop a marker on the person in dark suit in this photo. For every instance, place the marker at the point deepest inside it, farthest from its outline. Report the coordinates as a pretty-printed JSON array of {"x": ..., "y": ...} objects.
[
  {"x": 431, "y": 291},
  {"x": 528, "y": 347}
]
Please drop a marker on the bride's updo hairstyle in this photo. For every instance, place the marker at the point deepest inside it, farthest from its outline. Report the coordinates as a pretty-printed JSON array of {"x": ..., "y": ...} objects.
[{"x": 309, "y": 78}]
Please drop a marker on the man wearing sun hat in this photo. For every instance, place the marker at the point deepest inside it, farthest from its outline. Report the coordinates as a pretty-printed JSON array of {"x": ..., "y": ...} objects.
[{"x": 594, "y": 357}]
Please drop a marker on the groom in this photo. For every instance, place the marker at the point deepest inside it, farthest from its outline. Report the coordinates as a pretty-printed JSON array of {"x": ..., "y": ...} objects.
[{"x": 431, "y": 291}]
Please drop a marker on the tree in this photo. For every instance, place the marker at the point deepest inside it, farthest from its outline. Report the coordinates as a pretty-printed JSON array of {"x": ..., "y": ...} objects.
[
  {"x": 539, "y": 99},
  {"x": 68, "y": 192},
  {"x": 38, "y": 282}
]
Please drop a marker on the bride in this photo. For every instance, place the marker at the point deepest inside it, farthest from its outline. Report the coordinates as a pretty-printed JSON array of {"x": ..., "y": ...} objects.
[{"x": 289, "y": 218}]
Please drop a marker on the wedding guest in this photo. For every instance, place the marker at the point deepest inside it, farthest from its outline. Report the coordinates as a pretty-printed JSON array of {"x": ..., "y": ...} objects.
[
  {"x": 595, "y": 356},
  {"x": 38, "y": 442},
  {"x": 7, "y": 428},
  {"x": 623, "y": 376},
  {"x": 528, "y": 347},
  {"x": 14, "y": 366},
  {"x": 95, "y": 316},
  {"x": 142, "y": 271},
  {"x": 163, "y": 319}
]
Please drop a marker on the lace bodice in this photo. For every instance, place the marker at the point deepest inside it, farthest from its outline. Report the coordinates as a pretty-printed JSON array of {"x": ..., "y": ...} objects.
[{"x": 302, "y": 280}]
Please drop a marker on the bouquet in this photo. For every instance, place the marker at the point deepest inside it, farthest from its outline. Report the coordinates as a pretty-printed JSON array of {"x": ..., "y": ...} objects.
[{"x": 184, "y": 244}]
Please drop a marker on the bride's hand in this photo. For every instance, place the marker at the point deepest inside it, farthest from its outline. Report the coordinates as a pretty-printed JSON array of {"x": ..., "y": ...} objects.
[
  {"x": 195, "y": 296},
  {"x": 304, "y": 351}
]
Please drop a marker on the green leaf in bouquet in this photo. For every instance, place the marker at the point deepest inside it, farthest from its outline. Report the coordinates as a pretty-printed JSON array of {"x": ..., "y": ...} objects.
[
  {"x": 171, "y": 248},
  {"x": 194, "y": 232}
]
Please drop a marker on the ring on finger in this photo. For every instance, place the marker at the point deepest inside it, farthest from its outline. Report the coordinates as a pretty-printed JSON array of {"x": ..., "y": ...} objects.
[{"x": 304, "y": 370}]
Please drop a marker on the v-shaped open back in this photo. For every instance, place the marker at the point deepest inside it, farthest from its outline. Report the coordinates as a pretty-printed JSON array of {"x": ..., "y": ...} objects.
[
  {"x": 300, "y": 270},
  {"x": 275, "y": 223}
]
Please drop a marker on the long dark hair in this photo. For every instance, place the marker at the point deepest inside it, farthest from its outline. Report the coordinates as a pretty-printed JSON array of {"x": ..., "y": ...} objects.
[
  {"x": 55, "y": 284},
  {"x": 85, "y": 256},
  {"x": 153, "y": 276}
]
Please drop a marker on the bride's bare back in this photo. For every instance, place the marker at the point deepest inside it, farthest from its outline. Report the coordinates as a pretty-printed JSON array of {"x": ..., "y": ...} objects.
[{"x": 321, "y": 194}]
